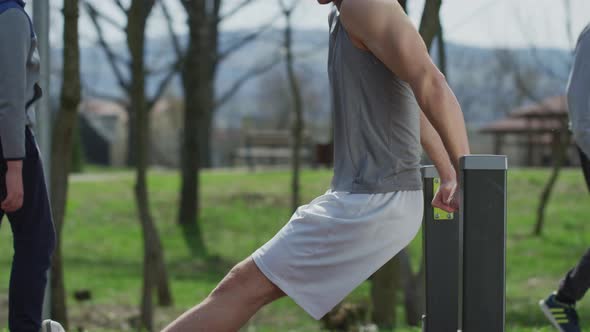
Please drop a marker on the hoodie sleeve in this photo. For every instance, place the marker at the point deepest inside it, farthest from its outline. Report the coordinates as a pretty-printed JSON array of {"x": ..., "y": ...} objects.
[
  {"x": 579, "y": 94},
  {"x": 15, "y": 43}
]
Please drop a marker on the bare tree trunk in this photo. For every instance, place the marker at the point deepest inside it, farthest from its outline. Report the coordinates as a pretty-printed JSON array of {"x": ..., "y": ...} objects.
[
  {"x": 62, "y": 148},
  {"x": 561, "y": 141},
  {"x": 414, "y": 292},
  {"x": 131, "y": 139},
  {"x": 384, "y": 286},
  {"x": 430, "y": 24},
  {"x": 210, "y": 54},
  {"x": 205, "y": 126},
  {"x": 154, "y": 270},
  {"x": 201, "y": 62},
  {"x": 297, "y": 127},
  {"x": 194, "y": 77}
]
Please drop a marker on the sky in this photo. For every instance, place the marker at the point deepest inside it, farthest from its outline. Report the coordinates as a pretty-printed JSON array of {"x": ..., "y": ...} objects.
[
  {"x": 483, "y": 23},
  {"x": 487, "y": 23}
]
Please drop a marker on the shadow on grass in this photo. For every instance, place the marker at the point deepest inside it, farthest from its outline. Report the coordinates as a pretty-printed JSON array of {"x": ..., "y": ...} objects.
[
  {"x": 213, "y": 268},
  {"x": 193, "y": 237}
]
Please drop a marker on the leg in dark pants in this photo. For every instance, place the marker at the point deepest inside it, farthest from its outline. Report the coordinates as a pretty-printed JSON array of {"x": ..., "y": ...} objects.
[
  {"x": 577, "y": 281},
  {"x": 34, "y": 241}
]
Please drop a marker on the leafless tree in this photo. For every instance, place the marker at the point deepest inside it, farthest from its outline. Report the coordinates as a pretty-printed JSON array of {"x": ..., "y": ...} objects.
[
  {"x": 430, "y": 23},
  {"x": 208, "y": 37},
  {"x": 561, "y": 142},
  {"x": 203, "y": 58},
  {"x": 527, "y": 80},
  {"x": 155, "y": 275},
  {"x": 121, "y": 68},
  {"x": 197, "y": 101},
  {"x": 61, "y": 150},
  {"x": 297, "y": 126},
  {"x": 154, "y": 268}
]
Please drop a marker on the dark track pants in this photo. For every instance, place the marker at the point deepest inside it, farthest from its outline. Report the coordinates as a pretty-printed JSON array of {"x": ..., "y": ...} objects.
[
  {"x": 577, "y": 281},
  {"x": 34, "y": 241}
]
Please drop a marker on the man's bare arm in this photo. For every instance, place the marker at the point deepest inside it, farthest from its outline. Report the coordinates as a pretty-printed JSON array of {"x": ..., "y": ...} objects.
[
  {"x": 384, "y": 29},
  {"x": 433, "y": 145},
  {"x": 435, "y": 149}
]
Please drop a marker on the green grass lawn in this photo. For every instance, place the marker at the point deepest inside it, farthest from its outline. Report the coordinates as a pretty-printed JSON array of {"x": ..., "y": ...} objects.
[{"x": 241, "y": 211}]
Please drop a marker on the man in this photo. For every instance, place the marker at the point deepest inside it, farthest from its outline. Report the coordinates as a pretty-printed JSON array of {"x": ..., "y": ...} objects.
[
  {"x": 380, "y": 75},
  {"x": 559, "y": 307},
  {"x": 23, "y": 194}
]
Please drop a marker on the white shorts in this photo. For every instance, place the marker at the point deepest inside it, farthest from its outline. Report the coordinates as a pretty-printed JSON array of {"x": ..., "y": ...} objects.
[{"x": 336, "y": 242}]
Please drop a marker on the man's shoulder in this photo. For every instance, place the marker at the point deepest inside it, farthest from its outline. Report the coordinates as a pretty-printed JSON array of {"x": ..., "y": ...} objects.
[
  {"x": 368, "y": 19},
  {"x": 583, "y": 44},
  {"x": 364, "y": 7},
  {"x": 16, "y": 22},
  {"x": 585, "y": 35},
  {"x": 369, "y": 13},
  {"x": 14, "y": 16}
]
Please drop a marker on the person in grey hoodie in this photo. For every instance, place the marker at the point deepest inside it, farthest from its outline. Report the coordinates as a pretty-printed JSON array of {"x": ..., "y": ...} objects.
[
  {"x": 23, "y": 193},
  {"x": 559, "y": 307}
]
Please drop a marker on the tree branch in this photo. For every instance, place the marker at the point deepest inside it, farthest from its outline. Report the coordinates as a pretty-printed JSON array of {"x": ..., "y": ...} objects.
[
  {"x": 234, "y": 10},
  {"x": 111, "y": 56},
  {"x": 288, "y": 10},
  {"x": 535, "y": 52},
  {"x": 252, "y": 73},
  {"x": 245, "y": 40},
  {"x": 89, "y": 91},
  {"x": 174, "y": 69},
  {"x": 120, "y": 5},
  {"x": 173, "y": 35},
  {"x": 507, "y": 61},
  {"x": 106, "y": 18},
  {"x": 430, "y": 22},
  {"x": 216, "y": 10}
]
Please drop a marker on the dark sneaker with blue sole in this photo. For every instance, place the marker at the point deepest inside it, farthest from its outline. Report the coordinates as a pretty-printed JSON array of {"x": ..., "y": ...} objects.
[{"x": 563, "y": 316}]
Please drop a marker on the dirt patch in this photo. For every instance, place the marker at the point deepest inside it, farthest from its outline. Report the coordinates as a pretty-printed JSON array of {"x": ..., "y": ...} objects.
[
  {"x": 255, "y": 199},
  {"x": 95, "y": 317}
]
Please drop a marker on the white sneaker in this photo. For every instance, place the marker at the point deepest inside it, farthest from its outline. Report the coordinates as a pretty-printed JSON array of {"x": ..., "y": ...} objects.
[{"x": 51, "y": 326}]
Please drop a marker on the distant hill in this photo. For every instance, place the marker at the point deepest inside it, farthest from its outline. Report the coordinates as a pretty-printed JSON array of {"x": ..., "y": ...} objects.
[{"x": 484, "y": 86}]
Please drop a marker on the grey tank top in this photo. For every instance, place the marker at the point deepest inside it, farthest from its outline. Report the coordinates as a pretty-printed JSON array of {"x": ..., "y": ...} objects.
[{"x": 376, "y": 121}]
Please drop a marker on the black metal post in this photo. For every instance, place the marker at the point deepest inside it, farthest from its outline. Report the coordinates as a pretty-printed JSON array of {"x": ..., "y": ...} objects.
[
  {"x": 482, "y": 234},
  {"x": 440, "y": 235}
]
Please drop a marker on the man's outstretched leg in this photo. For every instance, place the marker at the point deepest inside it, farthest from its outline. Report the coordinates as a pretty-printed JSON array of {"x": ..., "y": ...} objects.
[{"x": 232, "y": 303}]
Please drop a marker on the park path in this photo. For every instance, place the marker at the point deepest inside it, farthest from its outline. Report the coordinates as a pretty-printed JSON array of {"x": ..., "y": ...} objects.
[{"x": 101, "y": 177}]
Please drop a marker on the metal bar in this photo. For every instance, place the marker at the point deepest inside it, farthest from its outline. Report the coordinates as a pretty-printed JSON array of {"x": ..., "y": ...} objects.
[
  {"x": 43, "y": 107},
  {"x": 482, "y": 236},
  {"x": 441, "y": 256}
]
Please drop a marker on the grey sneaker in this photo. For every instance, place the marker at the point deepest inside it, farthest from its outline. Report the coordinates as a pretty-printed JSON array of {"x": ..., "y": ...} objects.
[{"x": 51, "y": 326}]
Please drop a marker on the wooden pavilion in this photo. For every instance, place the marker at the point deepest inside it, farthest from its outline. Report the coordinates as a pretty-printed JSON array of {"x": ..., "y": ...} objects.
[{"x": 535, "y": 132}]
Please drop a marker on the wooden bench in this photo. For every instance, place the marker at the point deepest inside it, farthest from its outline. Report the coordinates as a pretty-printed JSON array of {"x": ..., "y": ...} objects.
[{"x": 270, "y": 148}]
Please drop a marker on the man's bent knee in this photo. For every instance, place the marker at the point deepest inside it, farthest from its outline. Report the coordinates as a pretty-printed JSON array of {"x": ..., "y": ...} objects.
[{"x": 247, "y": 282}]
